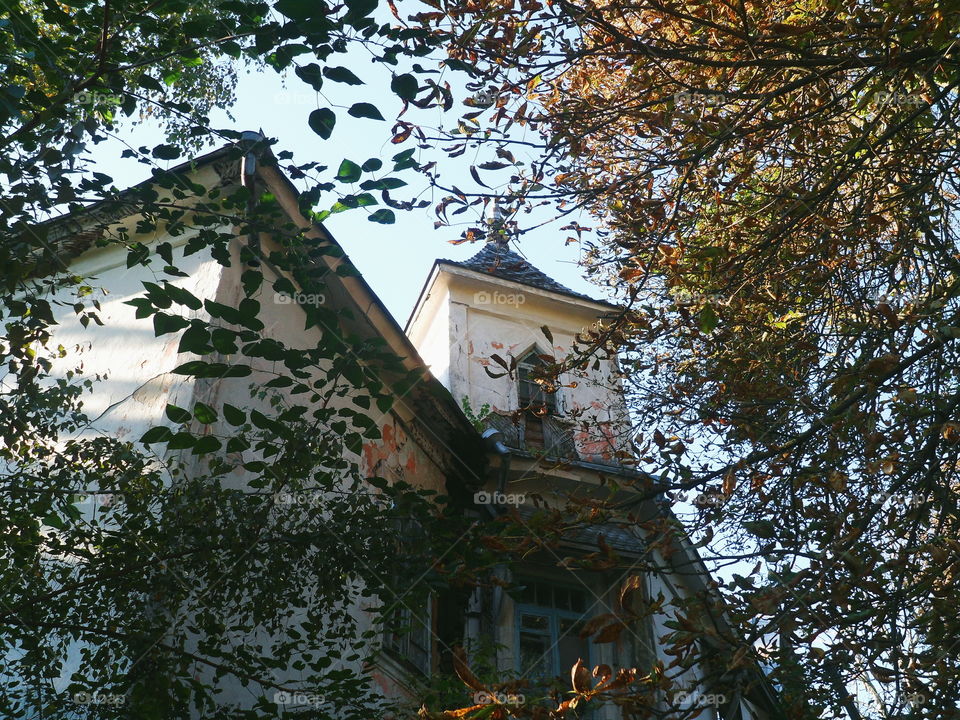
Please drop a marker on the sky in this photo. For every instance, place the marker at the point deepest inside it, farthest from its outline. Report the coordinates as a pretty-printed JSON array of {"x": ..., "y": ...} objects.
[{"x": 394, "y": 259}]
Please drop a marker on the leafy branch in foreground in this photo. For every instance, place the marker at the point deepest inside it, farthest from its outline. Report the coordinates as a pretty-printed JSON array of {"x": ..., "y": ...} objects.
[{"x": 776, "y": 191}]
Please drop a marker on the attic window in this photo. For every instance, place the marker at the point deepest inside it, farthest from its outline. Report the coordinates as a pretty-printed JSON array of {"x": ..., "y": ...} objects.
[{"x": 530, "y": 393}]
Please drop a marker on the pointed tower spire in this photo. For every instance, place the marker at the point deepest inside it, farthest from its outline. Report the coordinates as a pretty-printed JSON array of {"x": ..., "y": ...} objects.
[{"x": 501, "y": 230}]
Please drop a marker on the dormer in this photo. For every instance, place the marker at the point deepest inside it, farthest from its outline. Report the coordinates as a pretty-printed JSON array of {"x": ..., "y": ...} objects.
[{"x": 480, "y": 326}]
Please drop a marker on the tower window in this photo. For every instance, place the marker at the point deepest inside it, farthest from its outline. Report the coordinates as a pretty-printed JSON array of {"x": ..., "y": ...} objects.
[{"x": 531, "y": 393}]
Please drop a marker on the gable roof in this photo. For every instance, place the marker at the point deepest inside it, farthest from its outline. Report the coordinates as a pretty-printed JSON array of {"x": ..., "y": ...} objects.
[
  {"x": 498, "y": 260},
  {"x": 428, "y": 401},
  {"x": 435, "y": 416}
]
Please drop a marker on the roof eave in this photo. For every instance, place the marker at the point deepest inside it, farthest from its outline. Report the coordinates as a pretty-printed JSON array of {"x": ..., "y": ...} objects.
[{"x": 572, "y": 298}]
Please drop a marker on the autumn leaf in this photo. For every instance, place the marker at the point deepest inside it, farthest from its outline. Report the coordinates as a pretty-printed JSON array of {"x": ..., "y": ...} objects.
[
  {"x": 463, "y": 671},
  {"x": 580, "y": 677}
]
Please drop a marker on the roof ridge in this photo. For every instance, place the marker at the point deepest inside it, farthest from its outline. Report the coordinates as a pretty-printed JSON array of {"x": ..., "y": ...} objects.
[{"x": 499, "y": 260}]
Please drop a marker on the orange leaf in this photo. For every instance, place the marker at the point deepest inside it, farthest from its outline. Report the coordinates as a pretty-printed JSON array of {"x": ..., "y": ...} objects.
[
  {"x": 463, "y": 670},
  {"x": 611, "y": 633},
  {"x": 580, "y": 677},
  {"x": 628, "y": 592},
  {"x": 729, "y": 483},
  {"x": 463, "y": 711}
]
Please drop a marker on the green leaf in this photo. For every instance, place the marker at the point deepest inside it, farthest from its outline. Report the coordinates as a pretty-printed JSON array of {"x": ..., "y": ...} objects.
[
  {"x": 165, "y": 251},
  {"x": 233, "y": 415},
  {"x": 237, "y": 444},
  {"x": 405, "y": 86},
  {"x": 206, "y": 444},
  {"x": 252, "y": 280},
  {"x": 383, "y": 184},
  {"x": 466, "y": 67},
  {"x": 204, "y": 413},
  {"x": 156, "y": 435},
  {"x": 299, "y": 9},
  {"x": 178, "y": 414},
  {"x": 341, "y": 74},
  {"x": 384, "y": 217},
  {"x": 184, "y": 297},
  {"x": 137, "y": 255},
  {"x": 181, "y": 441},
  {"x": 365, "y": 110},
  {"x": 760, "y": 528},
  {"x": 708, "y": 319},
  {"x": 166, "y": 152},
  {"x": 261, "y": 421},
  {"x": 372, "y": 165},
  {"x": 54, "y": 521},
  {"x": 361, "y": 8},
  {"x": 311, "y": 74},
  {"x": 223, "y": 340},
  {"x": 150, "y": 83},
  {"x": 349, "y": 171},
  {"x": 163, "y": 323},
  {"x": 322, "y": 121},
  {"x": 202, "y": 369}
]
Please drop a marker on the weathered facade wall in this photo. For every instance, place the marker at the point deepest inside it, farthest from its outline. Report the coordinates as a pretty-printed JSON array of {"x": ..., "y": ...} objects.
[
  {"x": 134, "y": 364},
  {"x": 483, "y": 318},
  {"x": 136, "y": 380}
]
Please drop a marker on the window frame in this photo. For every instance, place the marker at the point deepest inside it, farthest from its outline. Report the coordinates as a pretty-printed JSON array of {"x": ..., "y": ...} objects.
[
  {"x": 554, "y": 615},
  {"x": 538, "y": 398},
  {"x": 397, "y": 644}
]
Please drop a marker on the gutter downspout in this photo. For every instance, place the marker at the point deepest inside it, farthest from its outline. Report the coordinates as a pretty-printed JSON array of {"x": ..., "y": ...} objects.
[
  {"x": 493, "y": 440},
  {"x": 250, "y": 141}
]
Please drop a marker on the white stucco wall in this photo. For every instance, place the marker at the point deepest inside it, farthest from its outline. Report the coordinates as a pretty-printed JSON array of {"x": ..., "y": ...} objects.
[
  {"x": 132, "y": 363},
  {"x": 485, "y": 316},
  {"x": 132, "y": 368}
]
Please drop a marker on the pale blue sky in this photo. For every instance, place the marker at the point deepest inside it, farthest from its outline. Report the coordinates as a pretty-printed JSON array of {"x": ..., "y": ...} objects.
[{"x": 394, "y": 259}]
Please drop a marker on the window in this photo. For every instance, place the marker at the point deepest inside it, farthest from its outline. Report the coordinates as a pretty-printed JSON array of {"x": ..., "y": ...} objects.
[
  {"x": 531, "y": 393},
  {"x": 408, "y": 637},
  {"x": 408, "y": 625},
  {"x": 548, "y": 621}
]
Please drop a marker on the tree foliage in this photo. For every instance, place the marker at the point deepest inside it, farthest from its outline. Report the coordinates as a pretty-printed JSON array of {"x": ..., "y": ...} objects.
[
  {"x": 774, "y": 186},
  {"x": 140, "y": 578},
  {"x": 774, "y": 190}
]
